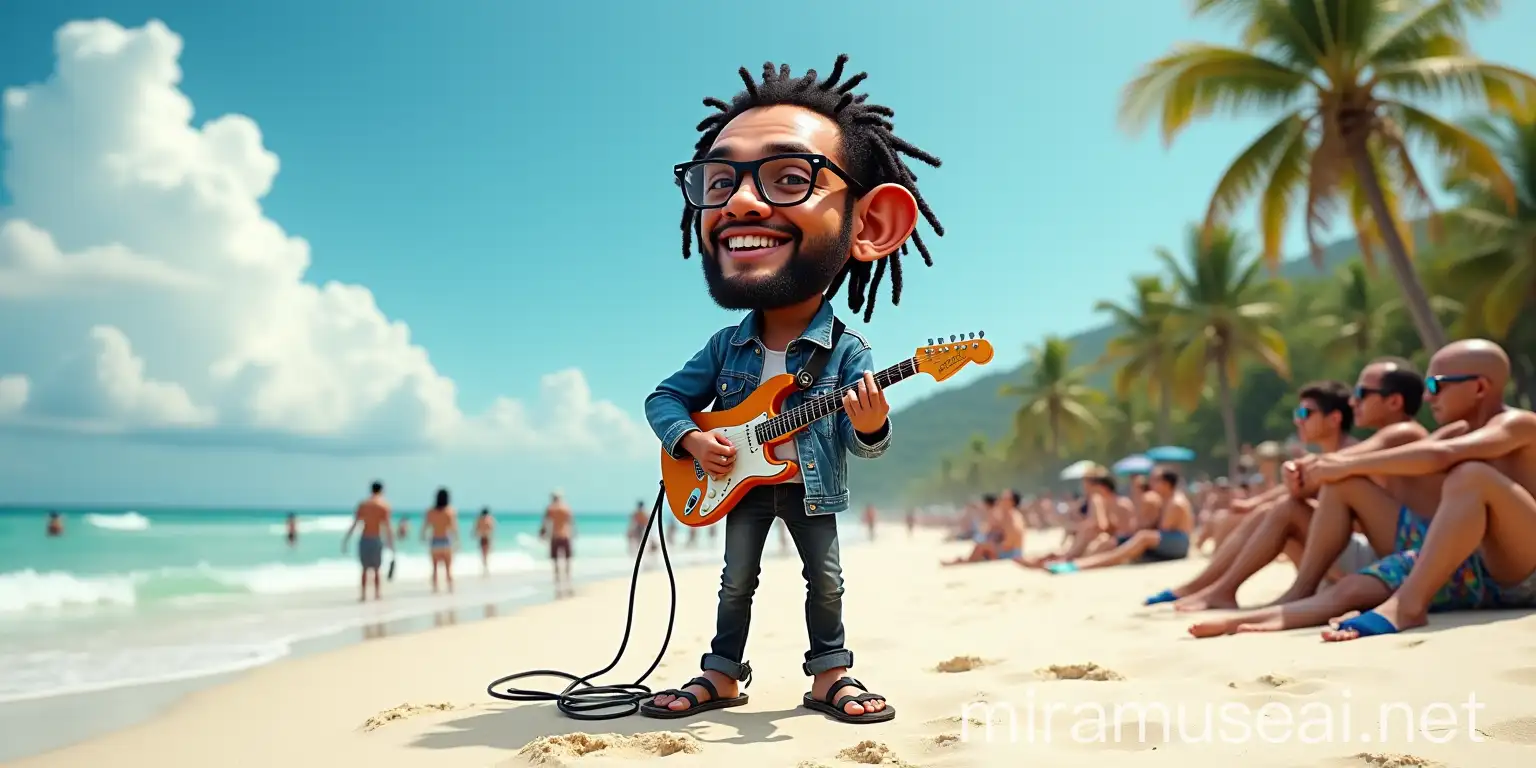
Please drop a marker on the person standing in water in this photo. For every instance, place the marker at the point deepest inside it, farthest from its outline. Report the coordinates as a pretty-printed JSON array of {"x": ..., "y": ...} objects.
[
  {"x": 870, "y": 516},
  {"x": 293, "y": 530},
  {"x": 442, "y": 524},
  {"x": 485, "y": 527},
  {"x": 373, "y": 515},
  {"x": 55, "y": 524},
  {"x": 637, "y": 521},
  {"x": 559, "y": 527}
]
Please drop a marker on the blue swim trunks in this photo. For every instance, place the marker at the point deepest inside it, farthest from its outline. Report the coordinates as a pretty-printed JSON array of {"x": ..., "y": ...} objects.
[{"x": 370, "y": 551}]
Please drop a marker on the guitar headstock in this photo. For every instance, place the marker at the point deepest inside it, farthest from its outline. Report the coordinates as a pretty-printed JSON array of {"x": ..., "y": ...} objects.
[{"x": 944, "y": 359}]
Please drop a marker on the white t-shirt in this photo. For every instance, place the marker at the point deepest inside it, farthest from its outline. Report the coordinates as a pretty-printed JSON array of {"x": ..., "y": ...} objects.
[{"x": 773, "y": 365}]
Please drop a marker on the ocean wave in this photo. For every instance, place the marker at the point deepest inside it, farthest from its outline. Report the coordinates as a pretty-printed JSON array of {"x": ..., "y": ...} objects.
[
  {"x": 317, "y": 524},
  {"x": 126, "y": 521},
  {"x": 29, "y": 590}
]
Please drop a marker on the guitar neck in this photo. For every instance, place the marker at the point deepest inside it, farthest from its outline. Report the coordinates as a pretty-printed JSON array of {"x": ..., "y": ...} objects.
[{"x": 821, "y": 407}]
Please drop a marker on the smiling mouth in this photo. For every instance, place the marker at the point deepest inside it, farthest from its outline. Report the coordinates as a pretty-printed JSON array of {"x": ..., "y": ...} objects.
[{"x": 753, "y": 246}]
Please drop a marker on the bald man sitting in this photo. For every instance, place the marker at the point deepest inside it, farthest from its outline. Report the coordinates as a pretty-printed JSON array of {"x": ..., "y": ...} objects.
[{"x": 1477, "y": 551}]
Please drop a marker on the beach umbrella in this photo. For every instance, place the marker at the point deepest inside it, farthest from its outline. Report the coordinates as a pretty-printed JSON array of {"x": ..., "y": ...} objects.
[
  {"x": 1078, "y": 470},
  {"x": 1173, "y": 453},
  {"x": 1136, "y": 464}
]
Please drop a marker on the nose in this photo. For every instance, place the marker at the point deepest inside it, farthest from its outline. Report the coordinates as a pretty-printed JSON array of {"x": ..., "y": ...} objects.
[{"x": 745, "y": 203}]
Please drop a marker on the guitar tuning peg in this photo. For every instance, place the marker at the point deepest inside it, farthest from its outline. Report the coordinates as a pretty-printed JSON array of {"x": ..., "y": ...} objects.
[
  {"x": 930, "y": 342},
  {"x": 973, "y": 334},
  {"x": 981, "y": 334},
  {"x": 951, "y": 338}
]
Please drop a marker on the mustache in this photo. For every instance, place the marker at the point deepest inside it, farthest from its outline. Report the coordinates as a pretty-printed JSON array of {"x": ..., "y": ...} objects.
[{"x": 724, "y": 230}]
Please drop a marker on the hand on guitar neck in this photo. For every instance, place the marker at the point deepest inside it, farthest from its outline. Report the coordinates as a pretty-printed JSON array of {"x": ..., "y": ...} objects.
[{"x": 731, "y": 451}]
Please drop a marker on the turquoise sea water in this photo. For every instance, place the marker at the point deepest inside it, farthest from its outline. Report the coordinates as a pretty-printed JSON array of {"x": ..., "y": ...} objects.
[{"x": 134, "y": 596}]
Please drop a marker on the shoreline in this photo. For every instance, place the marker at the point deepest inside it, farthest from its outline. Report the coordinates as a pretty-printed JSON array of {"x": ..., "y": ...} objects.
[
  {"x": 935, "y": 640},
  {"x": 50, "y": 722}
]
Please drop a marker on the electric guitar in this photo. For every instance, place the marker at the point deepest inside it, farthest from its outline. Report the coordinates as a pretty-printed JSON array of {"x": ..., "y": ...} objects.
[{"x": 756, "y": 425}]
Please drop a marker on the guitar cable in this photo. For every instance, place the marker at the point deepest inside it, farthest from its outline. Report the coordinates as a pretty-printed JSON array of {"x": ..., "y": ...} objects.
[{"x": 588, "y": 702}]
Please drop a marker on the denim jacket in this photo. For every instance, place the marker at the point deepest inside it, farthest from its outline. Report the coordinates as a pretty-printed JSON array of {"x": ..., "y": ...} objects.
[{"x": 730, "y": 367}]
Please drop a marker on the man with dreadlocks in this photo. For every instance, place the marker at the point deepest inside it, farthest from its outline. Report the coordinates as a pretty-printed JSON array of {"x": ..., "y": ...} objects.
[{"x": 795, "y": 188}]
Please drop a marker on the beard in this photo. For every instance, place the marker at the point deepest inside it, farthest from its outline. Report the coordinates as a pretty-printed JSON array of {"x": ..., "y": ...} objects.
[{"x": 811, "y": 267}]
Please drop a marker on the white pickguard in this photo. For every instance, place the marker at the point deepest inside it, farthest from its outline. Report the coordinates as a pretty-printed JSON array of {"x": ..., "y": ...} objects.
[{"x": 751, "y": 461}]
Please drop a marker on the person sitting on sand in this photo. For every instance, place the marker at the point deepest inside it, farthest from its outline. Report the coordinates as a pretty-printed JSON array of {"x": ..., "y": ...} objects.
[
  {"x": 1387, "y": 395},
  {"x": 987, "y": 533},
  {"x": 1169, "y": 541},
  {"x": 1477, "y": 550},
  {"x": 1092, "y": 532}
]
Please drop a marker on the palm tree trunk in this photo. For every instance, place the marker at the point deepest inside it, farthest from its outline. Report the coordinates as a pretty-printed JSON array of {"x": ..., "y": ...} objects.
[
  {"x": 1424, "y": 320},
  {"x": 1165, "y": 411},
  {"x": 1055, "y": 432},
  {"x": 1228, "y": 413}
]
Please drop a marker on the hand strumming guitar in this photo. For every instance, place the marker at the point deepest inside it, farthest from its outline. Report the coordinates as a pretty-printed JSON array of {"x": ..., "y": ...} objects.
[
  {"x": 866, "y": 405},
  {"x": 713, "y": 451}
]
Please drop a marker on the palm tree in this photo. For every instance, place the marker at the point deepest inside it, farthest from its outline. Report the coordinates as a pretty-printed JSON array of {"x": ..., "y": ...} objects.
[
  {"x": 1057, "y": 402},
  {"x": 1354, "y": 318},
  {"x": 1143, "y": 351},
  {"x": 1343, "y": 74},
  {"x": 1222, "y": 316},
  {"x": 1496, "y": 280}
]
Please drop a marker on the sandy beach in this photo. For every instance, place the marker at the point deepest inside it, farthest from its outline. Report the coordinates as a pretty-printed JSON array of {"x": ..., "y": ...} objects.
[{"x": 953, "y": 648}]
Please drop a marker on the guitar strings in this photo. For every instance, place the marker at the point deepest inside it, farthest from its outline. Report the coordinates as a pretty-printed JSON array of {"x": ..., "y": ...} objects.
[{"x": 807, "y": 407}]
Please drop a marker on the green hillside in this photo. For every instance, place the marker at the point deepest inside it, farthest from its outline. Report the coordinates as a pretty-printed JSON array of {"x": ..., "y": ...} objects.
[{"x": 944, "y": 422}]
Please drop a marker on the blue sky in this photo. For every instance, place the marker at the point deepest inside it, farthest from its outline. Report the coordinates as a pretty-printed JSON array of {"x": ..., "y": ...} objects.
[{"x": 497, "y": 175}]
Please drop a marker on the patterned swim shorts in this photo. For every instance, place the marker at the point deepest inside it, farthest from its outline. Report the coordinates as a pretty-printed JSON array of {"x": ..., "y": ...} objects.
[{"x": 1468, "y": 588}]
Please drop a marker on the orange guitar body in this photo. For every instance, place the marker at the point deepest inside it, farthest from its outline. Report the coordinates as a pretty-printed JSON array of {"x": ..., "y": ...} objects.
[{"x": 697, "y": 499}]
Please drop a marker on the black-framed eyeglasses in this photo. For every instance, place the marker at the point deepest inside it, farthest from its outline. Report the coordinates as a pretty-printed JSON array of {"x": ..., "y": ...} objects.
[
  {"x": 1433, "y": 384},
  {"x": 781, "y": 180}
]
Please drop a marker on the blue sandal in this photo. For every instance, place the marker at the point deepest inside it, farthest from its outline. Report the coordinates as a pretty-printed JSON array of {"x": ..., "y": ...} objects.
[{"x": 1369, "y": 624}]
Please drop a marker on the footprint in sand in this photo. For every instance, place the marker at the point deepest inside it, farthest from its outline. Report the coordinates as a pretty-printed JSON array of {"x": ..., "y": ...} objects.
[
  {"x": 1521, "y": 730},
  {"x": 961, "y": 664},
  {"x": 557, "y": 750},
  {"x": 1522, "y": 676},
  {"x": 1387, "y": 760},
  {"x": 946, "y": 739},
  {"x": 1089, "y": 671},
  {"x": 872, "y": 753},
  {"x": 402, "y": 712}
]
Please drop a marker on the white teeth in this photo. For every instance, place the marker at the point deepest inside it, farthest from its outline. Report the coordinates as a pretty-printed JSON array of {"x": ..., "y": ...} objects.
[{"x": 742, "y": 242}]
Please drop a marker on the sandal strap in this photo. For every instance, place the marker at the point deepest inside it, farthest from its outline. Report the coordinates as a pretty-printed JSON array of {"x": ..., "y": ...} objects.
[
  {"x": 838, "y": 685},
  {"x": 703, "y": 682},
  {"x": 861, "y": 698}
]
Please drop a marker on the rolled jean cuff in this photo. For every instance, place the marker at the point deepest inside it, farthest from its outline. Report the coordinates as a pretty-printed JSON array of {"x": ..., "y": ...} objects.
[
  {"x": 829, "y": 660},
  {"x": 737, "y": 671}
]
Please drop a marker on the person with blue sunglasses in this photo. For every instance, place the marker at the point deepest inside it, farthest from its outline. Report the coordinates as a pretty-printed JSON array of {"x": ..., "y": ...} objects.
[{"x": 1477, "y": 550}]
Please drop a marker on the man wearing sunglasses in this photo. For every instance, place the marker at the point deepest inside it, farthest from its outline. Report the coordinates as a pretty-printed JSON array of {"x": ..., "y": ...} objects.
[
  {"x": 1478, "y": 550},
  {"x": 1386, "y": 397},
  {"x": 795, "y": 187}
]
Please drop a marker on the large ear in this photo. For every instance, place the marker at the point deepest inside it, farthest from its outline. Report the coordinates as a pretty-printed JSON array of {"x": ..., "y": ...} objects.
[{"x": 883, "y": 220}]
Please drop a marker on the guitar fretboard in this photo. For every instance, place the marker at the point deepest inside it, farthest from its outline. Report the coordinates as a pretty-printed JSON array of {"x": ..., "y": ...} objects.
[{"x": 828, "y": 404}]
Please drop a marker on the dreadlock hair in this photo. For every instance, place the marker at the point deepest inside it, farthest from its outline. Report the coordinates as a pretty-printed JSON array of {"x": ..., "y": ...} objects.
[{"x": 870, "y": 150}]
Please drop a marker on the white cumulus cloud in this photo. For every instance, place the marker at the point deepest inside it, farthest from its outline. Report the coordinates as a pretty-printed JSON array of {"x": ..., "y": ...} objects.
[{"x": 143, "y": 290}]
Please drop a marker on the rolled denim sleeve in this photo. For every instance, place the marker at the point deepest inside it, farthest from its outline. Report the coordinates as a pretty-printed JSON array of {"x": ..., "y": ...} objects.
[
  {"x": 854, "y": 366},
  {"x": 670, "y": 408}
]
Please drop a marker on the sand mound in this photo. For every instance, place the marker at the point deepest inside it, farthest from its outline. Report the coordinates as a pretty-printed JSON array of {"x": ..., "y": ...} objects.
[
  {"x": 555, "y": 750},
  {"x": 870, "y": 753},
  {"x": 1276, "y": 681},
  {"x": 402, "y": 712},
  {"x": 1089, "y": 671},
  {"x": 1384, "y": 760},
  {"x": 960, "y": 664},
  {"x": 946, "y": 739}
]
